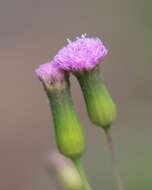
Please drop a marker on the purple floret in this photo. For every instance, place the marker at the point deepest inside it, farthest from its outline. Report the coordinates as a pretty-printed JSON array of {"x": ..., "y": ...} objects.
[
  {"x": 83, "y": 54},
  {"x": 49, "y": 74}
]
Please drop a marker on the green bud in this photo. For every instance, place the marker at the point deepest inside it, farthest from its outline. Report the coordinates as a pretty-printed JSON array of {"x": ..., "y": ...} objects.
[
  {"x": 71, "y": 179},
  {"x": 100, "y": 106},
  {"x": 69, "y": 134},
  {"x": 64, "y": 171}
]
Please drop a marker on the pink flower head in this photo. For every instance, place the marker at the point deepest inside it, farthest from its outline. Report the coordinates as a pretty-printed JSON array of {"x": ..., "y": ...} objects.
[
  {"x": 49, "y": 74},
  {"x": 83, "y": 54}
]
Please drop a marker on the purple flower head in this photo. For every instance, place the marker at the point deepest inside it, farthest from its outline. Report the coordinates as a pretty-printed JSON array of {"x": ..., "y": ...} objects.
[
  {"x": 49, "y": 74},
  {"x": 83, "y": 54}
]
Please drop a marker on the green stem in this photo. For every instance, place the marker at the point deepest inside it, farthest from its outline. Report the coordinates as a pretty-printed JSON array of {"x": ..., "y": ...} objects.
[
  {"x": 80, "y": 169},
  {"x": 114, "y": 160}
]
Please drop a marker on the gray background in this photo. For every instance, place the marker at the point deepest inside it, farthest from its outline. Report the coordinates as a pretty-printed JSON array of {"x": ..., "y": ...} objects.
[{"x": 31, "y": 32}]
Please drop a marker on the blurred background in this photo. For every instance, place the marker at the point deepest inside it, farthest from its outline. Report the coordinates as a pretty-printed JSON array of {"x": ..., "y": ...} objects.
[{"x": 31, "y": 32}]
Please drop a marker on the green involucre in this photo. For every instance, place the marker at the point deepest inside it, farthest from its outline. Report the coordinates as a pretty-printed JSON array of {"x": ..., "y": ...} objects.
[
  {"x": 100, "y": 106},
  {"x": 69, "y": 134}
]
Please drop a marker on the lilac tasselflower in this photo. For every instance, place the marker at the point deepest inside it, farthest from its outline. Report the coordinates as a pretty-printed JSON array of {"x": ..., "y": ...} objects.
[
  {"x": 68, "y": 131},
  {"x": 83, "y": 54},
  {"x": 49, "y": 74}
]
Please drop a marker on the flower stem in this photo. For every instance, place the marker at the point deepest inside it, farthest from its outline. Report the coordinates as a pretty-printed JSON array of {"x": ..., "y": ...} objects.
[
  {"x": 114, "y": 158},
  {"x": 80, "y": 169}
]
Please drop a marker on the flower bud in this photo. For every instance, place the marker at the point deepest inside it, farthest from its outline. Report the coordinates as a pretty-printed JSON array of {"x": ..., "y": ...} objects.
[
  {"x": 64, "y": 171},
  {"x": 68, "y": 132}
]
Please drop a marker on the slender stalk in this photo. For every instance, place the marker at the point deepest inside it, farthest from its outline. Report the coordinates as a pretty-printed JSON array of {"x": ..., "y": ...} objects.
[
  {"x": 115, "y": 161},
  {"x": 80, "y": 169}
]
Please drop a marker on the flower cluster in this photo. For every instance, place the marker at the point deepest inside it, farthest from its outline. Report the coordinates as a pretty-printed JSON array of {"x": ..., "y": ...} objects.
[
  {"x": 83, "y": 54},
  {"x": 80, "y": 57}
]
